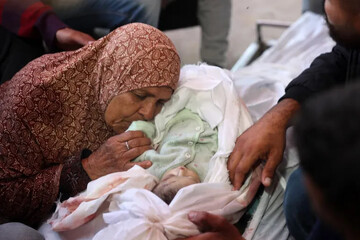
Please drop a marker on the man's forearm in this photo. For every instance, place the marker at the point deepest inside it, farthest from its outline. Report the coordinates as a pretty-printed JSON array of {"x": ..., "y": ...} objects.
[{"x": 283, "y": 112}]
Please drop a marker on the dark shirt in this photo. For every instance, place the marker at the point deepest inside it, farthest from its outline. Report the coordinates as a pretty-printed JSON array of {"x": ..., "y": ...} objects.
[
  {"x": 338, "y": 67},
  {"x": 323, "y": 232}
]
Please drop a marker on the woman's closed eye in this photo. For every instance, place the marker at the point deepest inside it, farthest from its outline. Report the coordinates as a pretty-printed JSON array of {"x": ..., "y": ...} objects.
[{"x": 140, "y": 95}]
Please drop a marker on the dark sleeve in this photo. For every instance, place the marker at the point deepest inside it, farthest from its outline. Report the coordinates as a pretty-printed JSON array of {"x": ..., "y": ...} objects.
[
  {"x": 321, "y": 231},
  {"x": 326, "y": 71},
  {"x": 73, "y": 178},
  {"x": 30, "y": 19}
]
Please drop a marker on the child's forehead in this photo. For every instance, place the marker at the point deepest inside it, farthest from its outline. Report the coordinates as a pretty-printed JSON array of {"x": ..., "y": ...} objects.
[
  {"x": 181, "y": 170},
  {"x": 174, "y": 180}
]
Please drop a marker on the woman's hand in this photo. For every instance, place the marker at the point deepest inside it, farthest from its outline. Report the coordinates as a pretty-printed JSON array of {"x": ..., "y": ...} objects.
[
  {"x": 265, "y": 140},
  {"x": 213, "y": 227},
  {"x": 114, "y": 155}
]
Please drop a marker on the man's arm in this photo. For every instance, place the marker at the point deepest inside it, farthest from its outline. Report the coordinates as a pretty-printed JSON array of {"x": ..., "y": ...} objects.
[{"x": 265, "y": 140}]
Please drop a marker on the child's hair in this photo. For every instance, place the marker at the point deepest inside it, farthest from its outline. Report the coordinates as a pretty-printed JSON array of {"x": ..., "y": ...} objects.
[
  {"x": 167, "y": 191},
  {"x": 327, "y": 134},
  {"x": 173, "y": 180}
]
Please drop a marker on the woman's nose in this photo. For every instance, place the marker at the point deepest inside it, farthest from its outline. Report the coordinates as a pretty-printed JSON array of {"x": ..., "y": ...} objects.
[{"x": 148, "y": 111}]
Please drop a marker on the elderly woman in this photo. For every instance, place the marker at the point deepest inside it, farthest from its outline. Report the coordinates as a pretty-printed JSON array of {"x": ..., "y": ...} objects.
[{"x": 63, "y": 117}]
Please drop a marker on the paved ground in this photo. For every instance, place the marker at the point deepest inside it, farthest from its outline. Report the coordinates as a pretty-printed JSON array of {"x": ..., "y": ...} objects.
[{"x": 242, "y": 31}]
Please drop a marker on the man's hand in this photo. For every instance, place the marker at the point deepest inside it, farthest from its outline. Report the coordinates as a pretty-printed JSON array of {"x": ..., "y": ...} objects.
[
  {"x": 70, "y": 39},
  {"x": 265, "y": 140},
  {"x": 214, "y": 227}
]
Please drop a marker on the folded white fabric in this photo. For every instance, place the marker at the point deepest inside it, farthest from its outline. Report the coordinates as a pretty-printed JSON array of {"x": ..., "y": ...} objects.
[{"x": 128, "y": 210}]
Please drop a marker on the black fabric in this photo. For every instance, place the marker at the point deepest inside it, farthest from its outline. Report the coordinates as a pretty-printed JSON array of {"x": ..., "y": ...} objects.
[
  {"x": 15, "y": 53},
  {"x": 338, "y": 67},
  {"x": 179, "y": 14},
  {"x": 324, "y": 232}
]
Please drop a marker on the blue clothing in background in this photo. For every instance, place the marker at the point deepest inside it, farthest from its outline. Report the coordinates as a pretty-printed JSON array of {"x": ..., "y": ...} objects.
[
  {"x": 299, "y": 215},
  {"x": 92, "y": 15}
]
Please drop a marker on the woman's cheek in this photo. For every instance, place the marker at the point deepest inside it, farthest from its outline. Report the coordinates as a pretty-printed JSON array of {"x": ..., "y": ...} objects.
[{"x": 158, "y": 108}]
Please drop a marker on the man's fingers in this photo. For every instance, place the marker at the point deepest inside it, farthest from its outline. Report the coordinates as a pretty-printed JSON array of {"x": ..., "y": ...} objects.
[
  {"x": 207, "y": 222},
  {"x": 241, "y": 171},
  {"x": 203, "y": 236},
  {"x": 232, "y": 163},
  {"x": 269, "y": 169}
]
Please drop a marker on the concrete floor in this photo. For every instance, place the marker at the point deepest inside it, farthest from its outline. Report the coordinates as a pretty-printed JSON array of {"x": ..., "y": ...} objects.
[{"x": 242, "y": 31}]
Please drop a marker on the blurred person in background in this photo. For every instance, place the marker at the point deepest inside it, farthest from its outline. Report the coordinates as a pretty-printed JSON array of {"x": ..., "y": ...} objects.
[
  {"x": 98, "y": 18},
  {"x": 28, "y": 29},
  {"x": 316, "y": 6}
]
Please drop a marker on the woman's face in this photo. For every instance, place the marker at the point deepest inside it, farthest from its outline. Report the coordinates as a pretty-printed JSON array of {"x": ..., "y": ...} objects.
[{"x": 139, "y": 104}]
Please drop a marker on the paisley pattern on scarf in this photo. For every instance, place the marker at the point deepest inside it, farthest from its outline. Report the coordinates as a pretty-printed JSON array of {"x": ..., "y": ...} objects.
[{"x": 54, "y": 107}]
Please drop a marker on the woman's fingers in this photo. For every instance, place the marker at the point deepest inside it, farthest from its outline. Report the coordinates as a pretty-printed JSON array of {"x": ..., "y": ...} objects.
[
  {"x": 135, "y": 152},
  {"x": 126, "y": 136},
  {"x": 139, "y": 142},
  {"x": 144, "y": 164}
]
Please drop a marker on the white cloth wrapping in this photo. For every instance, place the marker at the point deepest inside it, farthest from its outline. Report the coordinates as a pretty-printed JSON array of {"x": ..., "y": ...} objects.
[
  {"x": 136, "y": 213},
  {"x": 209, "y": 91}
]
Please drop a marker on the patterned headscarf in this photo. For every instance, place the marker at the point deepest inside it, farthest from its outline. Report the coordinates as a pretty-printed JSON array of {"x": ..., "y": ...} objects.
[
  {"x": 62, "y": 97},
  {"x": 54, "y": 107}
]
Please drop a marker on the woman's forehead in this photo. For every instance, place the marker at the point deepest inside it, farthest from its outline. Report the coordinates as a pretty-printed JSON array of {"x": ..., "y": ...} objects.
[{"x": 160, "y": 92}]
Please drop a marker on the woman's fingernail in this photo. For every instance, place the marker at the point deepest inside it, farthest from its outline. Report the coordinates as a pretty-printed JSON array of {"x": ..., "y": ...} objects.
[{"x": 267, "y": 181}]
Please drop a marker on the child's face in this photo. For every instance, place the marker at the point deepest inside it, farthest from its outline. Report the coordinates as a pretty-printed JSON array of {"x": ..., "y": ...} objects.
[{"x": 181, "y": 176}]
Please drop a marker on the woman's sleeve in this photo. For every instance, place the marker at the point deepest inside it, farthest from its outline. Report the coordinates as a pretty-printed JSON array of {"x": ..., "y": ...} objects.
[
  {"x": 30, "y": 184},
  {"x": 30, "y": 19},
  {"x": 74, "y": 178},
  {"x": 27, "y": 198}
]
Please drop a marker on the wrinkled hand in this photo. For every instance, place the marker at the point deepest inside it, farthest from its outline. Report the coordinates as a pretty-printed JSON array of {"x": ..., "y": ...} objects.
[
  {"x": 70, "y": 39},
  {"x": 214, "y": 227},
  {"x": 113, "y": 155},
  {"x": 265, "y": 140}
]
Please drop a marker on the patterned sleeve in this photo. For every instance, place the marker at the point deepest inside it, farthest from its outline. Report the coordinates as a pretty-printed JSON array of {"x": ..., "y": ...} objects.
[
  {"x": 29, "y": 185},
  {"x": 30, "y": 19}
]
